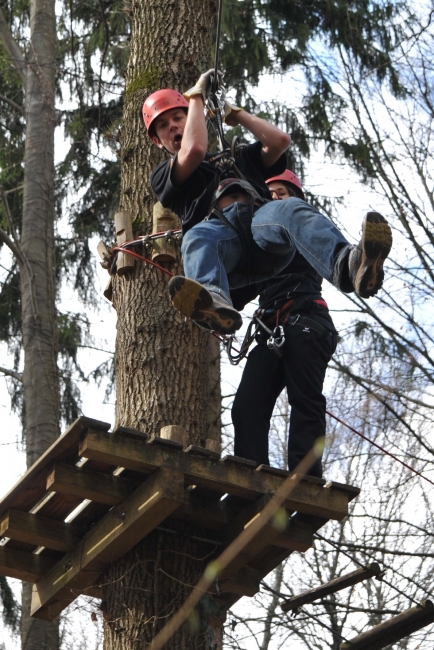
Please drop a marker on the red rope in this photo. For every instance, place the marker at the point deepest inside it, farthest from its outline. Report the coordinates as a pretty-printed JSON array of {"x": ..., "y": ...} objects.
[
  {"x": 379, "y": 447},
  {"x": 144, "y": 259}
]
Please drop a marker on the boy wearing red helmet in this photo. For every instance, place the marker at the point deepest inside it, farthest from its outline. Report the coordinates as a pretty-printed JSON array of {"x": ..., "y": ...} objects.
[
  {"x": 310, "y": 340},
  {"x": 248, "y": 240}
]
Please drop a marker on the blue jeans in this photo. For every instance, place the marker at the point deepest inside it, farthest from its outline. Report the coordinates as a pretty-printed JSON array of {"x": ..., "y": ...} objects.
[{"x": 223, "y": 257}]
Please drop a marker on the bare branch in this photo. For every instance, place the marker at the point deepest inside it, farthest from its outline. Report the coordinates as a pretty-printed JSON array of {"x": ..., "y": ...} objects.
[
  {"x": 14, "y": 105},
  {"x": 9, "y": 218},
  {"x": 11, "y": 373},
  {"x": 10, "y": 244},
  {"x": 15, "y": 247},
  {"x": 12, "y": 49}
]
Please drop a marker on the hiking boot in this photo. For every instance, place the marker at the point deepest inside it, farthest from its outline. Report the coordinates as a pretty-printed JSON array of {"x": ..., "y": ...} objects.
[
  {"x": 366, "y": 260},
  {"x": 209, "y": 309}
]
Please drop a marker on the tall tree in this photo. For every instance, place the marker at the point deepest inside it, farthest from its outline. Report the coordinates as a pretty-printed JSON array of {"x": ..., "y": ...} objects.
[
  {"x": 34, "y": 255},
  {"x": 89, "y": 58},
  {"x": 161, "y": 361},
  {"x": 29, "y": 85}
]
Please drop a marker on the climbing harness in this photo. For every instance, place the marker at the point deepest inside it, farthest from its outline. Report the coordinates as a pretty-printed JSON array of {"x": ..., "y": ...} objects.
[{"x": 276, "y": 337}]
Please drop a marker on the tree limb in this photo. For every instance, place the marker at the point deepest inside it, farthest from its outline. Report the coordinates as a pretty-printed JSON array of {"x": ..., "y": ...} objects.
[
  {"x": 17, "y": 250},
  {"x": 11, "y": 373},
  {"x": 10, "y": 244},
  {"x": 14, "y": 105},
  {"x": 12, "y": 49}
]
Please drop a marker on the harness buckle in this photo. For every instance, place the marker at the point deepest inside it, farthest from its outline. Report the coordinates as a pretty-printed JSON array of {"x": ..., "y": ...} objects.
[{"x": 292, "y": 319}]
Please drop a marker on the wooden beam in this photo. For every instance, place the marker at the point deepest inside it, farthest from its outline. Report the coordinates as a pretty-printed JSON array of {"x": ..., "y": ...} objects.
[
  {"x": 87, "y": 484},
  {"x": 31, "y": 487},
  {"x": 266, "y": 536},
  {"x": 24, "y": 565},
  {"x": 124, "y": 233},
  {"x": 38, "y": 530},
  {"x": 245, "y": 582},
  {"x": 213, "y": 516},
  {"x": 397, "y": 628},
  {"x": 122, "y": 528},
  {"x": 297, "y": 537},
  {"x": 221, "y": 476},
  {"x": 331, "y": 587}
]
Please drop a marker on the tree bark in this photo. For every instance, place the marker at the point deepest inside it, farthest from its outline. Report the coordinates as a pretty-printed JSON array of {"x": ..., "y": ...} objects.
[
  {"x": 40, "y": 375},
  {"x": 161, "y": 360}
]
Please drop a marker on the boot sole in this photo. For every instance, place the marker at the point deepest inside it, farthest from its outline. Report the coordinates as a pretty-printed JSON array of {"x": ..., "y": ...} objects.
[
  {"x": 376, "y": 246},
  {"x": 194, "y": 301}
]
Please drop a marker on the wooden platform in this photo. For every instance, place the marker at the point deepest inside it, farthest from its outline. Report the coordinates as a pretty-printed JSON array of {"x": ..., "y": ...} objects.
[{"x": 94, "y": 495}]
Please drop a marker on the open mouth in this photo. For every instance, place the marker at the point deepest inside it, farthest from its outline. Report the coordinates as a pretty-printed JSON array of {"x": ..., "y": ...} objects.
[{"x": 177, "y": 139}]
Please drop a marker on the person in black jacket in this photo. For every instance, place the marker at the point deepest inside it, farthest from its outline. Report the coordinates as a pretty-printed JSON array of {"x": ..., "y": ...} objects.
[
  {"x": 253, "y": 238},
  {"x": 293, "y": 300}
]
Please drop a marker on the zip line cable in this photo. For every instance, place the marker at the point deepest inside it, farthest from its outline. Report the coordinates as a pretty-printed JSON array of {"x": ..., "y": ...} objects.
[{"x": 375, "y": 444}]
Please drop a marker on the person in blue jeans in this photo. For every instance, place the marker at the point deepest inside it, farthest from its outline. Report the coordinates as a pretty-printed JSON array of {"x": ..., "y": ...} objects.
[
  {"x": 233, "y": 238},
  {"x": 293, "y": 300}
]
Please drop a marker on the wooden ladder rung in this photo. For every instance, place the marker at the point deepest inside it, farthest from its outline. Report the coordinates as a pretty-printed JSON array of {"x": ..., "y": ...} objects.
[
  {"x": 397, "y": 628},
  {"x": 331, "y": 587}
]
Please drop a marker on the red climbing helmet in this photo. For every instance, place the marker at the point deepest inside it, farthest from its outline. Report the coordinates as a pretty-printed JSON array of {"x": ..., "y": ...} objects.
[
  {"x": 159, "y": 102},
  {"x": 289, "y": 177}
]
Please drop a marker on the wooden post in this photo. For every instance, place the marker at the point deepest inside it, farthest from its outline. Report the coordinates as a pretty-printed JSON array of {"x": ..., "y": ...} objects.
[
  {"x": 331, "y": 587},
  {"x": 164, "y": 249},
  {"x": 124, "y": 233},
  {"x": 396, "y": 628},
  {"x": 174, "y": 432}
]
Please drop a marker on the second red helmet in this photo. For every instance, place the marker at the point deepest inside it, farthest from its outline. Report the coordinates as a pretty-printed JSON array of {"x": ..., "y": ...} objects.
[
  {"x": 159, "y": 102},
  {"x": 289, "y": 177}
]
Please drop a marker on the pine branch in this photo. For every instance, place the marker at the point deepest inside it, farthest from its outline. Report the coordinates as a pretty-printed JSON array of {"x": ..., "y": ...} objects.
[
  {"x": 12, "y": 373},
  {"x": 10, "y": 244},
  {"x": 12, "y": 49},
  {"x": 14, "y": 105},
  {"x": 15, "y": 247}
]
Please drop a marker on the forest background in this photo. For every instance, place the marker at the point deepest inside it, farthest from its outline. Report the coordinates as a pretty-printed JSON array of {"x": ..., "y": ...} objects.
[{"x": 358, "y": 100}]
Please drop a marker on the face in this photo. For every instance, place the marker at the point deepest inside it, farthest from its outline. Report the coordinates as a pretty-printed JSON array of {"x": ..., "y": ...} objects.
[
  {"x": 169, "y": 129},
  {"x": 237, "y": 196},
  {"x": 280, "y": 191}
]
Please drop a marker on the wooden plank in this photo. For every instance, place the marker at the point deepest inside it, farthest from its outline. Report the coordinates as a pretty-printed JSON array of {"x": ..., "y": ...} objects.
[
  {"x": 121, "y": 529},
  {"x": 245, "y": 582},
  {"x": 23, "y": 565},
  {"x": 124, "y": 233},
  {"x": 297, "y": 537},
  {"x": 331, "y": 587},
  {"x": 86, "y": 484},
  {"x": 213, "y": 516},
  {"x": 265, "y": 536},
  {"x": 282, "y": 533},
  {"x": 397, "y": 628},
  {"x": 226, "y": 477},
  {"x": 38, "y": 530},
  {"x": 31, "y": 487}
]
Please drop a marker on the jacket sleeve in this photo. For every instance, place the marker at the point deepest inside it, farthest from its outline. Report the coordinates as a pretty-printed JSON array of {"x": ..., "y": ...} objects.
[{"x": 241, "y": 297}]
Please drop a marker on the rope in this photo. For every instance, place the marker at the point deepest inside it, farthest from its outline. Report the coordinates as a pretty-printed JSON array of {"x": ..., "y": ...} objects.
[
  {"x": 375, "y": 444},
  {"x": 121, "y": 249}
]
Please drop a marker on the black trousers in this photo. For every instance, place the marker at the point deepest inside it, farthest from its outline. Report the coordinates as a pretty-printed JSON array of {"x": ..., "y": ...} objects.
[{"x": 302, "y": 370}]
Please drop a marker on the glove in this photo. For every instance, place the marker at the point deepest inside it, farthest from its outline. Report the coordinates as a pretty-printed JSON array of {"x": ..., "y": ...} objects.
[
  {"x": 229, "y": 113},
  {"x": 203, "y": 85}
]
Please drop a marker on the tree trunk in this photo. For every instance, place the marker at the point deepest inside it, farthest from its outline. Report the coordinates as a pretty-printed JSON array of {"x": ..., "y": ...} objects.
[
  {"x": 40, "y": 375},
  {"x": 161, "y": 360}
]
